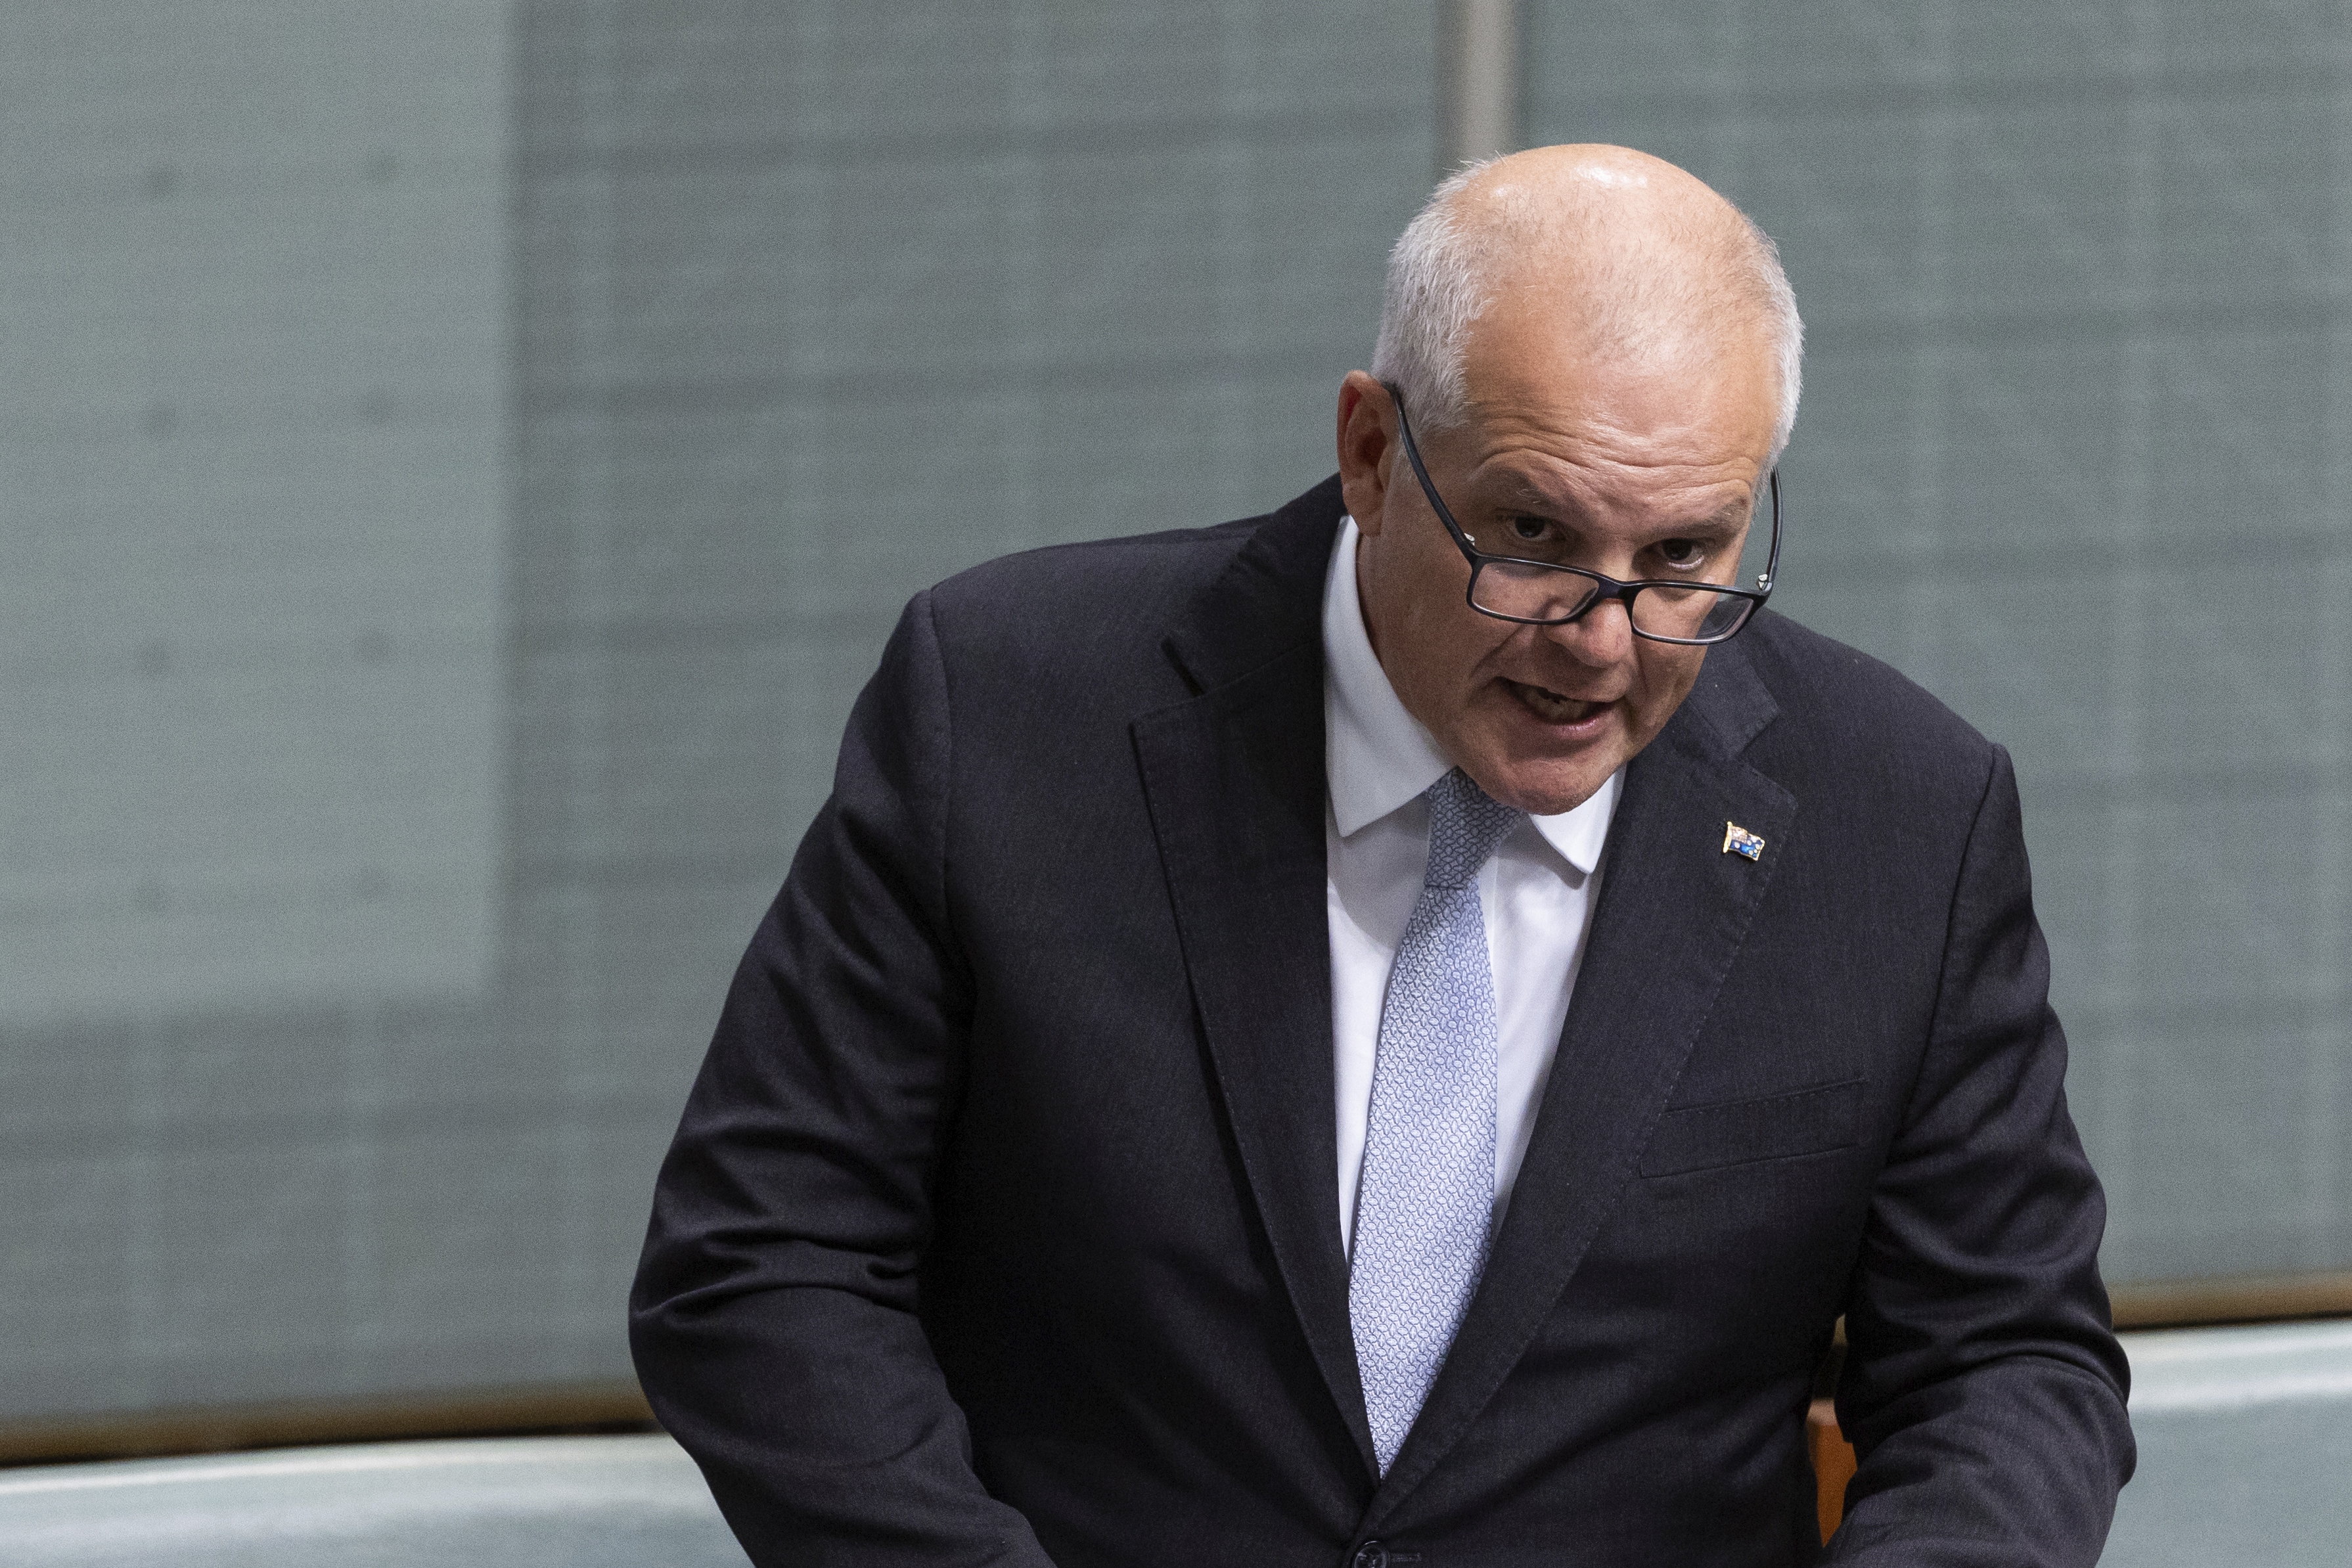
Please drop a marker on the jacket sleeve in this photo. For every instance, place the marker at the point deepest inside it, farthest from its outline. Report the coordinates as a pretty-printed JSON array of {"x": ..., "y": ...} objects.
[
  {"x": 773, "y": 1318},
  {"x": 1983, "y": 1389}
]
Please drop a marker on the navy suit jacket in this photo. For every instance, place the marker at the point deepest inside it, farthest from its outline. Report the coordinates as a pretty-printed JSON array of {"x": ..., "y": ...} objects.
[{"x": 1000, "y": 1226}]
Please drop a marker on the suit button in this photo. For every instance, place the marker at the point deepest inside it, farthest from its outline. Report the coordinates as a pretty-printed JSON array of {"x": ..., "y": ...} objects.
[{"x": 1370, "y": 1555}]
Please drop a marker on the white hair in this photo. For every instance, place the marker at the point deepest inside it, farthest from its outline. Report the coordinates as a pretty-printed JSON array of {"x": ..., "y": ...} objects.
[{"x": 1440, "y": 281}]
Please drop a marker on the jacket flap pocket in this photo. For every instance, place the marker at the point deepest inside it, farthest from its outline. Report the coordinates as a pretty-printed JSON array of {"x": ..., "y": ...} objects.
[{"x": 1736, "y": 1132}]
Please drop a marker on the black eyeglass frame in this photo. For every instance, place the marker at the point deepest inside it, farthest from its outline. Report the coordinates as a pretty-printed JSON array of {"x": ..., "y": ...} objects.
[{"x": 1607, "y": 589}]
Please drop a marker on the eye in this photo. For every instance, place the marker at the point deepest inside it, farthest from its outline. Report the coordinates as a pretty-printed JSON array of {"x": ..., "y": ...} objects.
[
  {"x": 1527, "y": 529},
  {"x": 1682, "y": 552}
]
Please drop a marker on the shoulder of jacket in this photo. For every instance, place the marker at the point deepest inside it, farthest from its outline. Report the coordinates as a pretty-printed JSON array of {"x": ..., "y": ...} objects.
[
  {"x": 1839, "y": 702},
  {"x": 1092, "y": 610},
  {"x": 1137, "y": 561}
]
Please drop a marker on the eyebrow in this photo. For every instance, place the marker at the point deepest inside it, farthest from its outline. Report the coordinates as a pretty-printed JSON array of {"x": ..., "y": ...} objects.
[{"x": 1515, "y": 490}]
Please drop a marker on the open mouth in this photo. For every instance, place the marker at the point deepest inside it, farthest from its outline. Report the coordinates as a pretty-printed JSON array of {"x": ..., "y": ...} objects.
[{"x": 1552, "y": 707}]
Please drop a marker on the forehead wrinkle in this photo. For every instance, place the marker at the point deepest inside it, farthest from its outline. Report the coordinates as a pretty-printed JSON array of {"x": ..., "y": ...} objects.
[
  {"x": 1506, "y": 478},
  {"x": 1512, "y": 487}
]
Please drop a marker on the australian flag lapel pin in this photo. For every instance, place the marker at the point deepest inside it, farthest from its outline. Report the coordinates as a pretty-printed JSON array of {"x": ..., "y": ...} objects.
[{"x": 1739, "y": 840}]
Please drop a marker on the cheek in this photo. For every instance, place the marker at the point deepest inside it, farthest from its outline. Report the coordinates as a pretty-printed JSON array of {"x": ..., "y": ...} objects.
[{"x": 1445, "y": 644}]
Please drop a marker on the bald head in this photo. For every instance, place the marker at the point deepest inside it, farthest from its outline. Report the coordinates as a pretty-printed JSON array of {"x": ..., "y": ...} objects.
[{"x": 1607, "y": 254}]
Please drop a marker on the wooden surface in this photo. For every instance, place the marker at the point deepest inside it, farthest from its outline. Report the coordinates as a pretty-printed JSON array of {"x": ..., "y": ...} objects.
[
  {"x": 2175, "y": 1303},
  {"x": 2184, "y": 1303},
  {"x": 1832, "y": 1463},
  {"x": 575, "y": 1407},
  {"x": 620, "y": 1406}
]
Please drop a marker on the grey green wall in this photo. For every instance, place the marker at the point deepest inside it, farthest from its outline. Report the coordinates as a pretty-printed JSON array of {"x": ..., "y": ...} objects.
[
  {"x": 2074, "y": 454},
  {"x": 458, "y": 461},
  {"x": 254, "y": 716}
]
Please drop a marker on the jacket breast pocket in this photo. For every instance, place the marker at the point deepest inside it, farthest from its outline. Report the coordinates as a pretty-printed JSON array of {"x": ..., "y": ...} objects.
[{"x": 1741, "y": 1131}]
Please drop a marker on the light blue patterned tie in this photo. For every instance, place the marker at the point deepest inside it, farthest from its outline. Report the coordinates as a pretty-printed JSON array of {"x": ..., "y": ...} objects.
[{"x": 1428, "y": 1185}]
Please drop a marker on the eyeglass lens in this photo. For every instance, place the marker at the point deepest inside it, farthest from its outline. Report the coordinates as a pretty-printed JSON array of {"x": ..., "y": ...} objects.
[{"x": 1524, "y": 593}]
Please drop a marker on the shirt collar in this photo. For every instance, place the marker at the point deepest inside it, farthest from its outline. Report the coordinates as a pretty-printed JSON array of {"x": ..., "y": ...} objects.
[{"x": 1378, "y": 756}]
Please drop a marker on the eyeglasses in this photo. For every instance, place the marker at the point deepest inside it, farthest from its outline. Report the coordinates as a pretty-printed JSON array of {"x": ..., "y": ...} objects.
[{"x": 1546, "y": 593}]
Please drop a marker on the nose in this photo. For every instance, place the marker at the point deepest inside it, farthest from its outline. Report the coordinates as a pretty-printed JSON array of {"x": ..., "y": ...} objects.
[{"x": 1601, "y": 636}]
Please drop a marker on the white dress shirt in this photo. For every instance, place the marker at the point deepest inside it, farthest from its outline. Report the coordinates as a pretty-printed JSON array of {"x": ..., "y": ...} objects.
[{"x": 1537, "y": 893}]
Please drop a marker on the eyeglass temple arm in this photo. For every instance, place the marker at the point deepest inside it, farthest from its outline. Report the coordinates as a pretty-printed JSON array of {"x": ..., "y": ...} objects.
[{"x": 1428, "y": 485}]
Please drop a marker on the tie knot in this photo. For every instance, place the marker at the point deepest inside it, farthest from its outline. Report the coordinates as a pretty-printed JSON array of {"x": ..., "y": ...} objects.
[{"x": 1466, "y": 824}]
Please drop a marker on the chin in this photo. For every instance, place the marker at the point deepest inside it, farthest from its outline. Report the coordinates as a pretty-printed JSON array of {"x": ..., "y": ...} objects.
[
  {"x": 1541, "y": 769},
  {"x": 1542, "y": 787}
]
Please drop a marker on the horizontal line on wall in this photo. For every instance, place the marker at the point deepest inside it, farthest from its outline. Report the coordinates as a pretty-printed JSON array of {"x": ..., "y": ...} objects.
[
  {"x": 2292, "y": 557},
  {"x": 2117, "y": 318},
  {"x": 2155, "y": 781},
  {"x": 759, "y": 866},
  {"x": 1713, "y": 98},
  {"x": 2268, "y": 1298},
  {"x": 552, "y": 123},
  {"x": 2207, "y": 1018},
  {"x": 161, "y": 664},
  {"x": 989, "y": 384},
  {"x": 810, "y": 632},
  {"x": 551, "y": 142},
  {"x": 530, "y": 1084},
  {"x": 356, "y": 1134},
  {"x": 516, "y": 1412},
  {"x": 545, "y": 391}
]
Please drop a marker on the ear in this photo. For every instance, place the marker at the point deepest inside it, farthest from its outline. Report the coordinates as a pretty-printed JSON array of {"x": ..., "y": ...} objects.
[{"x": 1366, "y": 449}]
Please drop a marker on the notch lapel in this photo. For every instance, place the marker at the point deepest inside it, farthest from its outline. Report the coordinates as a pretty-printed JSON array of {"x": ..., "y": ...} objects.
[
  {"x": 1235, "y": 786},
  {"x": 1674, "y": 910}
]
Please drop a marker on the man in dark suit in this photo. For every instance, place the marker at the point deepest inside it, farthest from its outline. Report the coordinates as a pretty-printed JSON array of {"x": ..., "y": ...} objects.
[{"x": 1384, "y": 1034}]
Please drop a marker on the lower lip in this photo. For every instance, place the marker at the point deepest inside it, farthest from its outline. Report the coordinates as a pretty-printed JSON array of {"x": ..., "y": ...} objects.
[{"x": 1595, "y": 718}]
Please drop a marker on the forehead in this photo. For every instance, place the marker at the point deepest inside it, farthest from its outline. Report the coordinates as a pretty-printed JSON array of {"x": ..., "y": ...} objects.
[
  {"x": 1704, "y": 506},
  {"x": 1699, "y": 391}
]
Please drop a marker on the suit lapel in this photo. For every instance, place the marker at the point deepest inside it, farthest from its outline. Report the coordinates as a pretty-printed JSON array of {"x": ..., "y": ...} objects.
[
  {"x": 1235, "y": 785},
  {"x": 1674, "y": 910}
]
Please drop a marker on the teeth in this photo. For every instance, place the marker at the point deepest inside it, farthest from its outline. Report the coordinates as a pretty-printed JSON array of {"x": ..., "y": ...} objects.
[{"x": 1551, "y": 704}]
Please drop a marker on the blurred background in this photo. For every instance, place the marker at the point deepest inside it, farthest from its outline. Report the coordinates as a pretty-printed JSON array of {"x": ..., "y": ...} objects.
[{"x": 459, "y": 459}]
